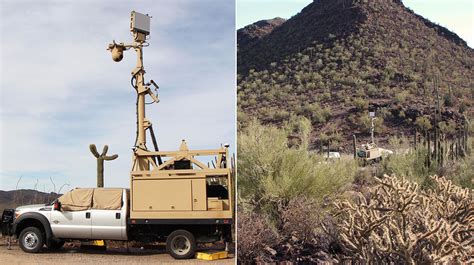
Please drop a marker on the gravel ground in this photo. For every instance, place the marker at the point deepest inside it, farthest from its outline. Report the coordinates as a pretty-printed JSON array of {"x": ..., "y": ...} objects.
[{"x": 75, "y": 255}]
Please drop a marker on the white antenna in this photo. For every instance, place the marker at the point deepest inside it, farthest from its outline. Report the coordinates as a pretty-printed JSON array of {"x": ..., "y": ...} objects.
[{"x": 372, "y": 128}]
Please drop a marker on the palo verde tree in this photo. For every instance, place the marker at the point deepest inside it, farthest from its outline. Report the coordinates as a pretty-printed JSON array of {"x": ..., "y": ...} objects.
[{"x": 100, "y": 162}]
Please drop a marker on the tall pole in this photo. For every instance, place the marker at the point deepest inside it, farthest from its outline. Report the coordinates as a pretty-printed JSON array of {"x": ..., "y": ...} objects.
[
  {"x": 372, "y": 128},
  {"x": 141, "y": 138},
  {"x": 140, "y": 27},
  {"x": 139, "y": 73}
]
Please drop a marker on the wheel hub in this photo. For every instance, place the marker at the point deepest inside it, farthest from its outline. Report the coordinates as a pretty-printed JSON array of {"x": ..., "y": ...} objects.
[
  {"x": 181, "y": 245},
  {"x": 30, "y": 240}
]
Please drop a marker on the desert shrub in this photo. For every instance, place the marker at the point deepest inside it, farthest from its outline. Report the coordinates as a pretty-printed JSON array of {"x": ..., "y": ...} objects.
[
  {"x": 423, "y": 123},
  {"x": 298, "y": 239},
  {"x": 360, "y": 104},
  {"x": 242, "y": 118},
  {"x": 280, "y": 115},
  {"x": 448, "y": 100},
  {"x": 397, "y": 223},
  {"x": 300, "y": 217},
  {"x": 401, "y": 96},
  {"x": 411, "y": 164},
  {"x": 462, "y": 172},
  {"x": 301, "y": 238},
  {"x": 399, "y": 143},
  {"x": 270, "y": 172},
  {"x": 300, "y": 127},
  {"x": 372, "y": 90},
  {"x": 255, "y": 236},
  {"x": 365, "y": 123},
  {"x": 316, "y": 113}
]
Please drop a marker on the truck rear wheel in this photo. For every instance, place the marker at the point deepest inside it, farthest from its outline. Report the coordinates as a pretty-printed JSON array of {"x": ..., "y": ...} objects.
[
  {"x": 31, "y": 239},
  {"x": 181, "y": 244}
]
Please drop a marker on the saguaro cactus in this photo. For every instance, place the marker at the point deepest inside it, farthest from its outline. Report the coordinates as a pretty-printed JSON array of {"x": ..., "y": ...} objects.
[
  {"x": 354, "y": 145},
  {"x": 100, "y": 162}
]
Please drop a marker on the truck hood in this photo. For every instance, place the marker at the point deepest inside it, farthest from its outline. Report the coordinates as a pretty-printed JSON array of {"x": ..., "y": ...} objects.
[{"x": 32, "y": 207}]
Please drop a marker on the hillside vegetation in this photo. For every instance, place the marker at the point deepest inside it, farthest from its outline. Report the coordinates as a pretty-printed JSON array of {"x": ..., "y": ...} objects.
[
  {"x": 295, "y": 205},
  {"x": 336, "y": 60},
  {"x": 311, "y": 80}
]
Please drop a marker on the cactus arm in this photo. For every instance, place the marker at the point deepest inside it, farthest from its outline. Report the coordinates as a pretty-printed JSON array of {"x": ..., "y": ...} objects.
[
  {"x": 104, "y": 151},
  {"x": 94, "y": 150},
  {"x": 113, "y": 157}
]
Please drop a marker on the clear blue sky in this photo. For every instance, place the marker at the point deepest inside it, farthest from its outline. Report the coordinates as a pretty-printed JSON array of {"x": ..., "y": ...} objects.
[
  {"x": 60, "y": 90},
  {"x": 456, "y": 15}
]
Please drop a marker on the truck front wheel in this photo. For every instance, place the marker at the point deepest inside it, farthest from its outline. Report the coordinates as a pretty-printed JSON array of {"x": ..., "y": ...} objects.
[
  {"x": 181, "y": 244},
  {"x": 31, "y": 240}
]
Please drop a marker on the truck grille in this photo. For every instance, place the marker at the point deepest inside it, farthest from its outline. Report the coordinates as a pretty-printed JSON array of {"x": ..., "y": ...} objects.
[{"x": 7, "y": 221}]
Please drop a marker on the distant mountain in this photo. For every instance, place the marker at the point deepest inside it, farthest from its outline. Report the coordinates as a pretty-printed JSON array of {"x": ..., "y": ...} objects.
[
  {"x": 257, "y": 30},
  {"x": 15, "y": 198},
  {"x": 337, "y": 59}
]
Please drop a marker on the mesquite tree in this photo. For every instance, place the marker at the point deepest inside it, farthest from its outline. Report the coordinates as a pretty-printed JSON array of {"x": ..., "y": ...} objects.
[{"x": 100, "y": 162}]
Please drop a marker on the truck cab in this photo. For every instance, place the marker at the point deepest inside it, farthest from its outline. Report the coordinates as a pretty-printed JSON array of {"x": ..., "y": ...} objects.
[{"x": 99, "y": 213}]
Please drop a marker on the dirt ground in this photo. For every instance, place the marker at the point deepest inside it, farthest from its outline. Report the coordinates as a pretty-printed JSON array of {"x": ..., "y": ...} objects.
[{"x": 75, "y": 255}]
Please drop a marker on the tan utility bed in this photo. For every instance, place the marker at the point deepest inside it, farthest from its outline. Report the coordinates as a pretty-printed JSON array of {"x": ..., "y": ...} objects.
[{"x": 195, "y": 191}]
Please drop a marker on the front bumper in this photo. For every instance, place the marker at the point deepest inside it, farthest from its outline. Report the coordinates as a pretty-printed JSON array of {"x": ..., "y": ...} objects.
[{"x": 8, "y": 217}]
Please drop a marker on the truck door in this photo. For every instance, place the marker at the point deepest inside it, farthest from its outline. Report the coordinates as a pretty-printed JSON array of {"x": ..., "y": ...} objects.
[
  {"x": 71, "y": 224},
  {"x": 73, "y": 219},
  {"x": 109, "y": 214},
  {"x": 107, "y": 224}
]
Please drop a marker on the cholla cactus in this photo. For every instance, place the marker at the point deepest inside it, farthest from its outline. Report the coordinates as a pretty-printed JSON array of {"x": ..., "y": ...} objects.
[
  {"x": 398, "y": 222},
  {"x": 100, "y": 162}
]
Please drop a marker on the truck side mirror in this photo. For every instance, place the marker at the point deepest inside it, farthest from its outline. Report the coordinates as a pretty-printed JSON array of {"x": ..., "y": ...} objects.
[{"x": 57, "y": 205}]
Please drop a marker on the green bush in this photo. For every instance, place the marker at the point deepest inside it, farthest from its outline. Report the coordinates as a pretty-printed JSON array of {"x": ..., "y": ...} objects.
[
  {"x": 365, "y": 123},
  {"x": 423, "y": 123},
  {"x": 269, "y": 171},
  {"x": 401, "y": 96},
  {"x": 360, "y": 104},
  {"x": 316, "y": 113},
  {"x": 410, "y": 165},
  {"x": 463, "y": 172}
]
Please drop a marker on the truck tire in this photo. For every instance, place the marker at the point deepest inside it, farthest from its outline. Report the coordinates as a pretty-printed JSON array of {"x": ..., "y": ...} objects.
[
  {"x": 31, "y": 239},
  {"x": 181, "y": 244}
]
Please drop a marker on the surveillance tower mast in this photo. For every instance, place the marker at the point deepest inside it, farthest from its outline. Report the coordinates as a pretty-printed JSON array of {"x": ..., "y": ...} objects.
[
  {"x": 180, "y": 189},
  {"x": 140, "y": 28}
]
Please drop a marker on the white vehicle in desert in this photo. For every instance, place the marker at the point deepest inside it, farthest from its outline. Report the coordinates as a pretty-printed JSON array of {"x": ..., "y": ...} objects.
[{"x": 102, "y": 214}]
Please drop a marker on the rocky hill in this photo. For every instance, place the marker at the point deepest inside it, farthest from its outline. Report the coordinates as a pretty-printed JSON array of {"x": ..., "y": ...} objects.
[
  {"x": 337, "y": 59},
  {"x": 14, "y": 198},
  {"x": 257, "y": 30}
]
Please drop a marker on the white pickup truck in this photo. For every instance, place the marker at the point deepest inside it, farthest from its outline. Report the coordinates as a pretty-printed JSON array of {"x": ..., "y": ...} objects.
[{"x": 102, "y": 214}]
